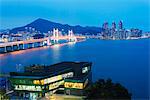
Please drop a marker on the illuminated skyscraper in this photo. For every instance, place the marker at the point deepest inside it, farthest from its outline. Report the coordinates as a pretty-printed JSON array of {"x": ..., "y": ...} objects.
[
  {"x": 120, "y": 25},
  {"x": 105, "y": 25},
  {"x": 113, "y": 25},
  {"x": 105, "y": 32},
  {"x": 113, "y": 30}
]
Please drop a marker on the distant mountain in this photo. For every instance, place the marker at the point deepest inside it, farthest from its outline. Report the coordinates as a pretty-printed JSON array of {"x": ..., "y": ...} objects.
[
  {"x": 4, "y": 30},
  {"x": 44, "y": 26}
]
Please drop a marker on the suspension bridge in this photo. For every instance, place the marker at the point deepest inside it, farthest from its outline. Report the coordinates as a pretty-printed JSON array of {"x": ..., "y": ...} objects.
[{"x": 34, "y": 43}]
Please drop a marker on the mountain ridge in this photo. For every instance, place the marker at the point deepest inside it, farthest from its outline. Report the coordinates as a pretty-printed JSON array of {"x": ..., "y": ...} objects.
[{"x": 44, "y": 26}]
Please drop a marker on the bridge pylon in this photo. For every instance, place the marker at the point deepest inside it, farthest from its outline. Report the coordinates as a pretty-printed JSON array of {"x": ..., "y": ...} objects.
[
  {"x": 55, "y": 35},
  {"x": 71, "y": 36}
]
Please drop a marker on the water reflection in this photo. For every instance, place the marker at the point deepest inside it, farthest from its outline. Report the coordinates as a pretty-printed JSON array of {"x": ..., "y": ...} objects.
[
  {"x": 72, "y": 43},
  {"x": 22, "y": 51},
  {"x": 55, "y": 52},
  {"x": 56, "y": 46}
]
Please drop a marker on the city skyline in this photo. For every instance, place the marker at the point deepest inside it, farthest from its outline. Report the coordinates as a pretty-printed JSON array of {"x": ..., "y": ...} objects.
[
  {"x": 75, "y": 12},
  {"x": 74, "y": 49}
]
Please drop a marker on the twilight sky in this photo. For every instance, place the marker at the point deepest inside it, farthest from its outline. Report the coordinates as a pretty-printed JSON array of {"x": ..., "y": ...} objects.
[{"x": 134, "y": 13}]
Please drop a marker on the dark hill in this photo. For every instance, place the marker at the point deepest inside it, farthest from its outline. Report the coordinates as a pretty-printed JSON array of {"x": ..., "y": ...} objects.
[{"x": 43, "y": 25}]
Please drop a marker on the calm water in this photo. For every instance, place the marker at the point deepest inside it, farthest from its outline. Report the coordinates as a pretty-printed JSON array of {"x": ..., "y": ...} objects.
[{"x": 126, "y": 62}]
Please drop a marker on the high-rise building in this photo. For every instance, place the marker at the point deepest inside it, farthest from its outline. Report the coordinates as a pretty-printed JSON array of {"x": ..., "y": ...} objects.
[
  {"x": 113, "y": 30},
  {"x": 136, "y": 32},
  {"x": 105, "y": 25},
  {"x": 118, "y": 33},
  {"x": 105, "y": 32},
  {"x": 120, "y": 25},
  {"x": 113, "y": 25}
]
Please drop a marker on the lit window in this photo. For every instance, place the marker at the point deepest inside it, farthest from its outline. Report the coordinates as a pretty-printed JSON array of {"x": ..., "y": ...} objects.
[
  {"x": 84, "y": 69},
  {"x": 73, "y": 85}
]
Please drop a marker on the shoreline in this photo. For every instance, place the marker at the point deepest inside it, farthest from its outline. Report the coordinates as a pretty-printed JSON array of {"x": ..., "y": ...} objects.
[{"x": 121, "y": 39}]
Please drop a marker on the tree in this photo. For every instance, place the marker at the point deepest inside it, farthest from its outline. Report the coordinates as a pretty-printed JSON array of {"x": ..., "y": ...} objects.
[{"x": 106, "y": 90}]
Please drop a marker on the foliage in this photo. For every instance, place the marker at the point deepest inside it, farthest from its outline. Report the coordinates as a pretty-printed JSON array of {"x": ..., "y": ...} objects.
[
  {"x": 106, "y": 90},
  {"x": 3, "y": 95}
]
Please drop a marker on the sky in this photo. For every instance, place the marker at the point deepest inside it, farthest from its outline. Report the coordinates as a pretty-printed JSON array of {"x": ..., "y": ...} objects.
[{"x": 133, "y": 13}]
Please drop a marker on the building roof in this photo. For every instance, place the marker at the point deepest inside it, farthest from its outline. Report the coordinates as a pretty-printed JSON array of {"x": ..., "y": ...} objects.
[{"x": 39, "y": 71}]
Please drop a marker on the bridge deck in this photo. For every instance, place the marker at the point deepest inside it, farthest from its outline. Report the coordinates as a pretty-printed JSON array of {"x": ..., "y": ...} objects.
[{"x": 37, "y": 40}]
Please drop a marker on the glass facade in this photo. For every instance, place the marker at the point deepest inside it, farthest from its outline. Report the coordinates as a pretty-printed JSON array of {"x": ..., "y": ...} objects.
[{"x": 33, "y": 87}]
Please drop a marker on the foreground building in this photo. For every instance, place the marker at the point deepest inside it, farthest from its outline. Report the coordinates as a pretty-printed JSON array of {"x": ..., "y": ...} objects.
[{"x": 69, "y": 78}]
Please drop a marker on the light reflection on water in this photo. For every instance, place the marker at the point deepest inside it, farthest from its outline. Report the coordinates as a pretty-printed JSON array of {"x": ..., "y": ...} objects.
[
  {"x": 54, "y": 47},
  {"x": 25, "y": 57},
  {"x": 22, "y": 51},
  {"x": 56, "y": 52}
]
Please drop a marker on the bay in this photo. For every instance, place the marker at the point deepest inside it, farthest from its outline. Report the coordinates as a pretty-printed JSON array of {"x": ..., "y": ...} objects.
[{"x": 124, "y": 61}]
